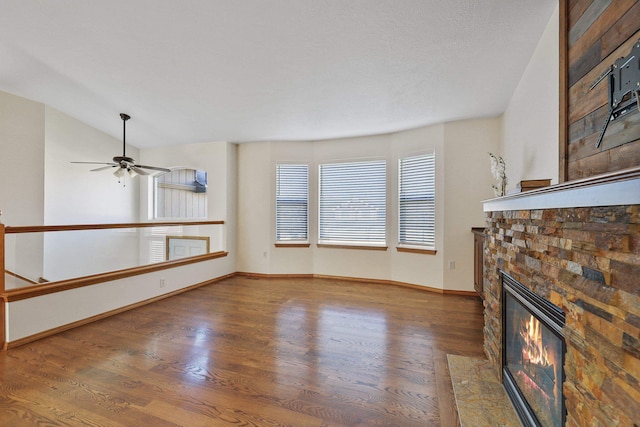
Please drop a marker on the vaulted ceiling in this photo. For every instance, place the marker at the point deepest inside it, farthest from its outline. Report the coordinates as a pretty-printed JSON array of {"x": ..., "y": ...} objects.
[{"x": 247, "y": 70}]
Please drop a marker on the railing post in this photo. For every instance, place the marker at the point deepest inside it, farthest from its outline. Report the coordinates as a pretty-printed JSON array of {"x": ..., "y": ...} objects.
[
  {"x": 3, "y": 300},
  {"x": 2, "y": 256}
]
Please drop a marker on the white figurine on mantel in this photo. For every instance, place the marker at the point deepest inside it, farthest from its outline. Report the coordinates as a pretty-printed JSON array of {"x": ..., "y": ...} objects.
[{"x": 498, "y": 171}]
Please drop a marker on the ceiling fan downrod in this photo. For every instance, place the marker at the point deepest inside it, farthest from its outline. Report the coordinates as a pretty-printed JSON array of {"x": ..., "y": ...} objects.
[{"x": 124, "y": 118}]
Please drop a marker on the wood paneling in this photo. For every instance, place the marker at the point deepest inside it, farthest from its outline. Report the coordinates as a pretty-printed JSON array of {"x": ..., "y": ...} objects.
[
  {"x": 254, "y": 352},
  {"x": 565, "y": 8},
  {"x": 624, "y": 156},
  {"x": 176, "y": 197},
  {"x": 576, "y": 9},
  {"x": 594, "y": 33}
]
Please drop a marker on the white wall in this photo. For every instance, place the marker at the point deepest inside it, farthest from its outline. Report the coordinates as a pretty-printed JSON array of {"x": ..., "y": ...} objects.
[
  {"x": 254, "y": 206},
  {"x": 350, "y": 262},
  {"x": 467, "y": 181},
  {"x": 530, "y": 122},
  {"x": 75, "y": 195},
  {"x": 414, "y": 268},
  {"x": 21, "y": 160},
  {"x": 462, "y": 181},
  {"x": 22, "y": 180}
]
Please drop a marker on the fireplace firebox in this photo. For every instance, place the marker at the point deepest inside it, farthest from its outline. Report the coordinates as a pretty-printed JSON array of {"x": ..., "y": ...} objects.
[{"x": 533, "y": 349}]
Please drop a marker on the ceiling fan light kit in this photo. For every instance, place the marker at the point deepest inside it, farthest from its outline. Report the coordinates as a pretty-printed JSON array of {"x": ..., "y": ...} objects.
[
  {"x": 124, "y": 163},
  {"x": 119, "y": 173}
]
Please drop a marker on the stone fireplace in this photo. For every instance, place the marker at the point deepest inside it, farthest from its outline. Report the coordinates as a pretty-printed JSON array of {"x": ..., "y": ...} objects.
[{"x": 576, "y": 245}]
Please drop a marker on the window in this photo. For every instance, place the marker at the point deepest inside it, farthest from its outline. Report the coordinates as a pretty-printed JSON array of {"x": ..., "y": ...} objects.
[
  {"x": 181, "y": 194},
  {"x": 417, "y": 206},
  {"x": 353, "y": 203},
  {"x": 292, "y": 203}
]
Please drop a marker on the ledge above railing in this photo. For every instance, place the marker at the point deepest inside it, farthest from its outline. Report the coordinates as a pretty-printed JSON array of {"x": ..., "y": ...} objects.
[
  {"x": 65, "y": 285},
  {"x": 76, "y": 282}
]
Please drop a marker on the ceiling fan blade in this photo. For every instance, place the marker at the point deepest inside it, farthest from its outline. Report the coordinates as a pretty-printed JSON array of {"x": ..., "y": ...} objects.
[
  {"x": 139, "y": 171},
  {"x": 97, "y": 163},
  {"x": 155, "y": 168},
  {"x": 103, "y": 168}
]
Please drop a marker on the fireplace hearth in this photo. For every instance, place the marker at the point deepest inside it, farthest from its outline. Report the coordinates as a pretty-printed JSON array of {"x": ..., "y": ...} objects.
[{"x": 533, "y": 355}]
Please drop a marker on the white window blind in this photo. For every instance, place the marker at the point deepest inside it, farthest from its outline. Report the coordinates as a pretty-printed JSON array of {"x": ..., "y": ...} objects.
[
  {"x": 417, "y": 203},
  {"x": 292, "y": 202},
  {"x": 353, "y": 203}
]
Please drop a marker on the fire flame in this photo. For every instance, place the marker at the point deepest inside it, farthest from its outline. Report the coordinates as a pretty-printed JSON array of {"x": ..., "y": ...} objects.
[{"x": 533, "y": 350}]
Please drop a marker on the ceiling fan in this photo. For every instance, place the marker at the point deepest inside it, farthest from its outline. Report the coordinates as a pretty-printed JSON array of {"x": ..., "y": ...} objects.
[{"x": 124, "y": 163}]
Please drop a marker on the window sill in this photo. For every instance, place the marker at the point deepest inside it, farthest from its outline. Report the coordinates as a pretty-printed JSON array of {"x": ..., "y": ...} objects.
[
  {"x": 292, "y": 245},
  {"x": 367, "y": 248},
  {"x": 415, "y": 250}
]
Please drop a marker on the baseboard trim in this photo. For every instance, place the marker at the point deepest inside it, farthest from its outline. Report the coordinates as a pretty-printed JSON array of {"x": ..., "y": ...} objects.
[
  {"x": 68, "y": 326},
  {"x": 273, "y": 276},
  {"x": 360, "y": 280}
]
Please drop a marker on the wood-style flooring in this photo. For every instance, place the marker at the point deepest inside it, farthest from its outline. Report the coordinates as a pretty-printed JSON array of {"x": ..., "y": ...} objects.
[{"x": 251, "y": 352}]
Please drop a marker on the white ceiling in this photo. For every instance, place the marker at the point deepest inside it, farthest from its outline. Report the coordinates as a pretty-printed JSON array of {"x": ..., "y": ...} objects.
[{"x": 247, "y": 70}]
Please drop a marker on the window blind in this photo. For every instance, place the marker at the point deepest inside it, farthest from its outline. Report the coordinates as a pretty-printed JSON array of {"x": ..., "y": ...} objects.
[
  {"x": 417, "y": 216},
  {"x": 352, "y": 205},
  {"x": 292, "y": 202}
]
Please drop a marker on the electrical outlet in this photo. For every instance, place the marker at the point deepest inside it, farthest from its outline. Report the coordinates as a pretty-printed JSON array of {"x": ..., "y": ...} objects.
[
  {"x": 452, "y": 265},
  {"x": 162, "y": 282}
]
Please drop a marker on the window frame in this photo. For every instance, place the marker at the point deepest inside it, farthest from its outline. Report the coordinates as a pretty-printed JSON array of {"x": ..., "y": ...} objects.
[
  {"x": 303, "y": 242},
  {"x": 428, "y": 244},
  {"x": 354, "y": 240}
]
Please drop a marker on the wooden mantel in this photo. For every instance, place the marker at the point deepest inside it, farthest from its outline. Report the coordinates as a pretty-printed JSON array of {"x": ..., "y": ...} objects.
[{"x": 612, "y": 189}]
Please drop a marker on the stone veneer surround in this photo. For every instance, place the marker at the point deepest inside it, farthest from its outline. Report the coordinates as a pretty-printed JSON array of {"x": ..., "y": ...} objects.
[{"x": 585, "y": 260}]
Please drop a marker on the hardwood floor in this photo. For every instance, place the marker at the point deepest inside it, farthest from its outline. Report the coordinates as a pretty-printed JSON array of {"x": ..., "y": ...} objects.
[{"x": 251, "y": 352}]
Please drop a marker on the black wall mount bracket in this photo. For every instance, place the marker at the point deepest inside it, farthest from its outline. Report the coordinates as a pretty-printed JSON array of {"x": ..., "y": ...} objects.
[{"x": 624, "y": 87}]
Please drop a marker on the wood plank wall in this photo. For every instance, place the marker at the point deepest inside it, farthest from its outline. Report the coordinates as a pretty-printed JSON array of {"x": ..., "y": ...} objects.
[
  {"x": 179, "y": 202},
  {"x": 596, "y": 33}
]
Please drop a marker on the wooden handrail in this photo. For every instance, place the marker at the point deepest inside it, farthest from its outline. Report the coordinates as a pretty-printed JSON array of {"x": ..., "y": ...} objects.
[{"x": 43, "y": 228}]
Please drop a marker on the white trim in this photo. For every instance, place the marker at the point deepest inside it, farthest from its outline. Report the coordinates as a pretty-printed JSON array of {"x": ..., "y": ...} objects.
[{"x": 616, "y": 189}]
